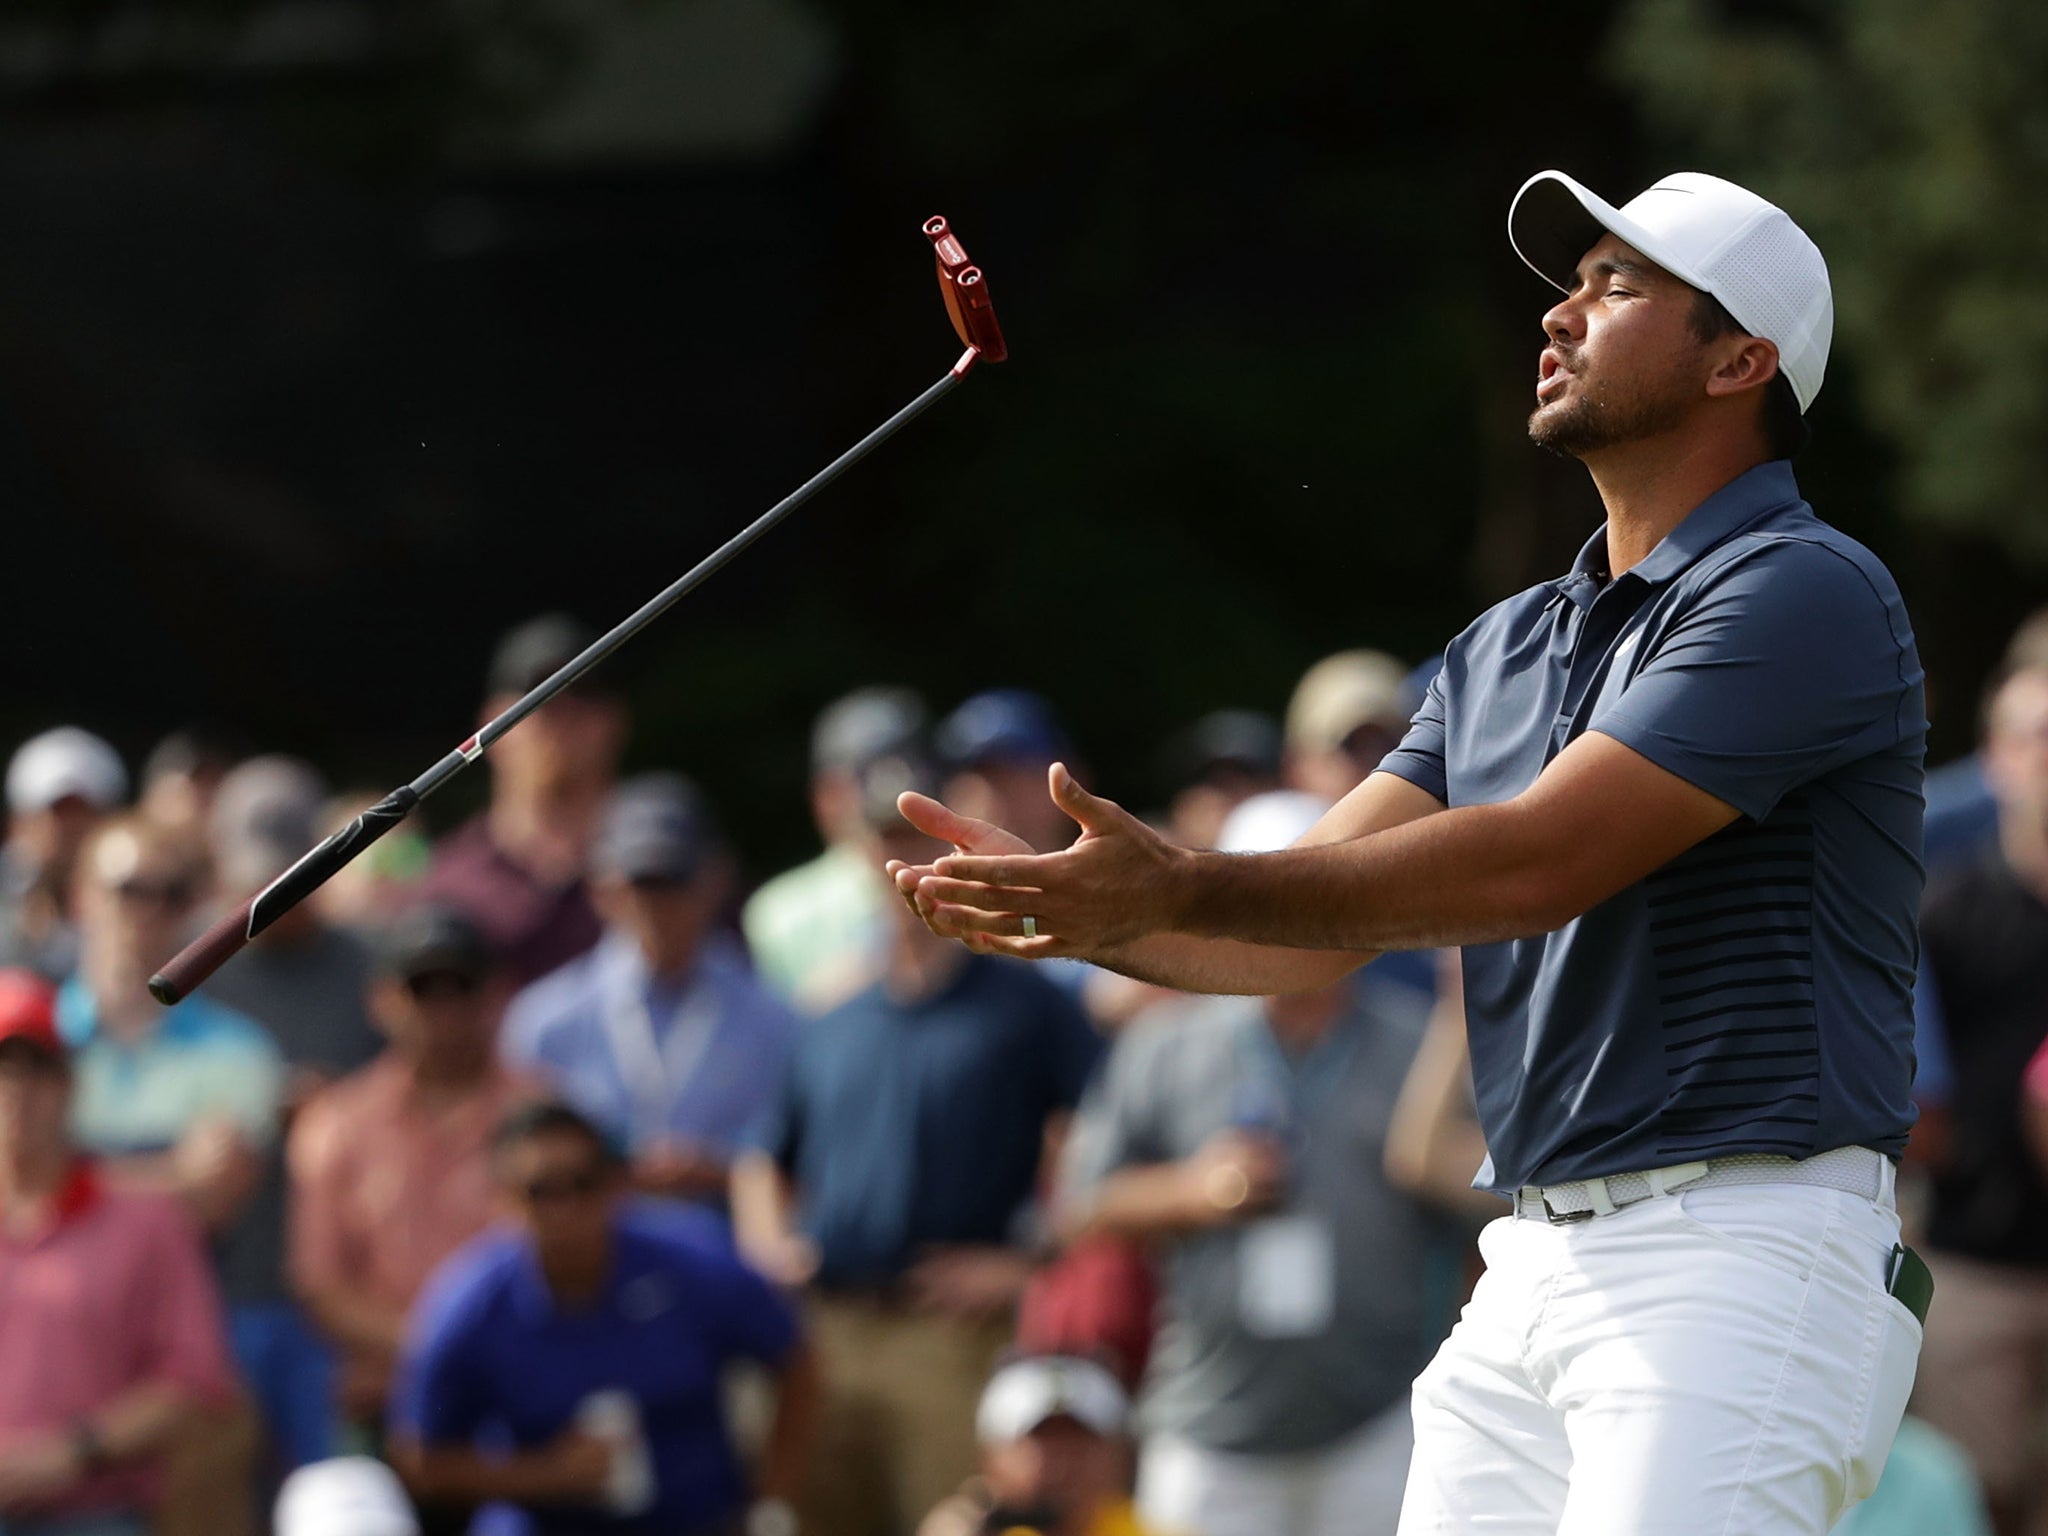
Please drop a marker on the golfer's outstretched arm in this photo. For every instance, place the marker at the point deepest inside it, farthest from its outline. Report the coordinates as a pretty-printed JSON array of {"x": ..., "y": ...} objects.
[
  {"x": 1187, "y": 962},
  {"x": 1598, "y": 819}
]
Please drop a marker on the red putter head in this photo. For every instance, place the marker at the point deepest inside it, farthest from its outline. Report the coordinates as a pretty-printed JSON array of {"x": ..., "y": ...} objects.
[{"x": 967, "y": 300}]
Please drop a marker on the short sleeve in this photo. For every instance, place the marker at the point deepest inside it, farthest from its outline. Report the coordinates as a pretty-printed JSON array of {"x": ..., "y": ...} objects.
[
  {"x": 1420, "y": 757},
  {"x": 248, "y": 1088},
  {"x": 1790, "y": 662},
  {"x": 439, "y": 1395},
  {"x": 752, "y": 1321}
]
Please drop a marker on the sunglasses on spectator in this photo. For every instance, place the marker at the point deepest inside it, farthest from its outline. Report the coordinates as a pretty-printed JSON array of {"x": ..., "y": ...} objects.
[
  {"x": 155, "y": 893},
  {"x": 429, "y": 985},
  {"x": 555, "y": 1188}
]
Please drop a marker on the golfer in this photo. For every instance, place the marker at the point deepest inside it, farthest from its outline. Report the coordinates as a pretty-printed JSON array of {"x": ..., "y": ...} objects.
[{"x": 1669, "y": 805}]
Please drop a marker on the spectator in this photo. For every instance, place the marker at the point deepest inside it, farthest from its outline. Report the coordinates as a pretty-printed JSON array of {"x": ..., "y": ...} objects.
[
  {"x": 1055, "y": 1456},
  {"x": 1348, "y": 711},
  {"x": 1245, "y": 1135},
  {"x": 1962, "y": 814},
  {"x": 182, "y": 775},
  {"x": 518, "y": 868},
  {"x": 586, "y": 1346},
  {"x": 304, "y": 982},
  {"x": 893, "y": 1176},
  {"x": 110, "y": 1338},
  {"x": 59, "y": 785},
  {"x": 348, "y": 1496},
  {"x": 1984, "y": 935},
  {"x": 661, "y": 1034},
  {"x": 1221, "y": 760},
  {"x": 181, "y": 1099},
  {"x": 817, "y": 931},
  {"x": 390, "y": 1167},
  {"x": 997, "y": 747}
]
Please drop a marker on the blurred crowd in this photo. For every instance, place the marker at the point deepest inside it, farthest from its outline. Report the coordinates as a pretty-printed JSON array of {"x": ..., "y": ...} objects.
[{"x": 544, "y": 1177}]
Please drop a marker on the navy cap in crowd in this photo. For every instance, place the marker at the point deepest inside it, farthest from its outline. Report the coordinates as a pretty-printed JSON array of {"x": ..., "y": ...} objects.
[
  {"x": 1003, "y": 725},
  {"x": 656, "y": 827},
  {"x": 867, "y": 724},
  {"x": 1240, "y": 739},
  {"x": 434, "y": 937}
]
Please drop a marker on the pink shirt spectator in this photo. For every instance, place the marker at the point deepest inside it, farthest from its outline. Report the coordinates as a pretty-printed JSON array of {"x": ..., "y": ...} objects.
[
  {"x": 534, "y": 927},
  {"x": 386, "y": 1184},
  {"x": 2037, "y": 1076},
  {"x": 115, "y": 1294}
]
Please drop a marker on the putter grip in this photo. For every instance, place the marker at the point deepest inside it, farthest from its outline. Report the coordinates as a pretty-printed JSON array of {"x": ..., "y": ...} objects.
[
  {"x": 190, "y": 967},
  {"x": 186, "y": 970}
]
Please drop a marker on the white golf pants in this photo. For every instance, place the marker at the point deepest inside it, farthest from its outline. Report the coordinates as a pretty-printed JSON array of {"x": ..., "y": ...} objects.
[{"x": 1716, "y": 1362}]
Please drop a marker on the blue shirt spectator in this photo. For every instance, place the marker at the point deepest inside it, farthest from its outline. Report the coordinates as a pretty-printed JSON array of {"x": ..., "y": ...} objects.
[
  {"x": 591, "y": 1320},
  {"x": 910, "y": 1123},
  {"x": 651, "y": 1058},
  {"x": 660, "y": 1034}
]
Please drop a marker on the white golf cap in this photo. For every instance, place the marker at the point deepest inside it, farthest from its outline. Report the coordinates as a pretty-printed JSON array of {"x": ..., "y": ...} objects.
[
  {"x": 62, "y": 763},
  {"x": 348, "y": 1496},
  {"x": 1721, "y": 238},
  {"x": 1025, "y": 1393}
]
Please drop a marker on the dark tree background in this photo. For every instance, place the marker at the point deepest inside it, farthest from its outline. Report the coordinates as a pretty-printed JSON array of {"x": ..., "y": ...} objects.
[{"x": 338, "y": 335}]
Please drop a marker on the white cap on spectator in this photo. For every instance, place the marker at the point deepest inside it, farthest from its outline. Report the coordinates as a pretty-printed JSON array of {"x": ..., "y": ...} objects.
[
  {"x": 1265, "y": 823},
  {"x": 348, "y": 1496},
  {"x": 1025, "y": 1393},
  {"x": 1720, "y": 238},
  {"x": 62, "y": 763}
]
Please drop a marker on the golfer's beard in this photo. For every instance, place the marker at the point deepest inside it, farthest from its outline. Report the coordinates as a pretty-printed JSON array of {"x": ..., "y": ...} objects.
[{"x": 1596, "y": 420}]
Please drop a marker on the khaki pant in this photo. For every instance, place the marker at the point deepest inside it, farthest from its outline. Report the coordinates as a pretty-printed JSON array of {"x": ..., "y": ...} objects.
[
  {"x": 1984, "y": 1380},
  {"x": 896, "y": 1434}
]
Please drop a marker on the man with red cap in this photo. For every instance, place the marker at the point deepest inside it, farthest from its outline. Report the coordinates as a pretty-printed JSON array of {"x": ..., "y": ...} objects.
[{"x": 111, "y": 1327}]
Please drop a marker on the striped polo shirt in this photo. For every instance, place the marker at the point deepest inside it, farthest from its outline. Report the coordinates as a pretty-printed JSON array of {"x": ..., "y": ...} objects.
[{"x": 1754, "y": 994}]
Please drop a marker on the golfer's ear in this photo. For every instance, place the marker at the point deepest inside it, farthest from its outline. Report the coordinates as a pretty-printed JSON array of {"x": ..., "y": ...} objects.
[{"x": 1751, "y": 365}]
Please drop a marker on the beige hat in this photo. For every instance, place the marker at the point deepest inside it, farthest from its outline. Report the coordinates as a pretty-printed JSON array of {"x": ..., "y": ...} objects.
[{"x": 1342, "y": 692}]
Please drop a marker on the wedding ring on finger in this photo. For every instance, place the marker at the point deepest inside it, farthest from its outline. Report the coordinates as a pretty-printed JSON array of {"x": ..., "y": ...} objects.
[{"x": 1030, "y": 927}]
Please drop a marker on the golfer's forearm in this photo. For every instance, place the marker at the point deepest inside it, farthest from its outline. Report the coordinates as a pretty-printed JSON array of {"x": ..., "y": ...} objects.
[
  {"x": 1195, "y": 963},
  {"x": 1471, "y": 876}
]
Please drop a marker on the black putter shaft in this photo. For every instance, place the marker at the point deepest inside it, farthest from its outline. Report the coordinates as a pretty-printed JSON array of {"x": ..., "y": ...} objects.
[{"x": 206, "y": 954}]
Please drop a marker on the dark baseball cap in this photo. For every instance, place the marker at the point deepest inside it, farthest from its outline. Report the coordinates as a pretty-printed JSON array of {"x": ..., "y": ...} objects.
[
  {"x": 28, "y": 1013},
  {"x": 435, "y": 937},
  {"x": 656, "y": 827},
  {"x": 1241, "y": 739},
  {"x": 1004, "y": 725},
  {"x": 868, "y": 723},
  {"x": 529, "y": 655}
]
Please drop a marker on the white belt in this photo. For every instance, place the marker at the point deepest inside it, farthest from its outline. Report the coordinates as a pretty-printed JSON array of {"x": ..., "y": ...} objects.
[{"x": 1855, "y": 1170}]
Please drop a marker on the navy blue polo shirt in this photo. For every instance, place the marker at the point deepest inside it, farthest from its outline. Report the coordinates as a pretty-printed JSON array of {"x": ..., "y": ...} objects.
[
  {"x": 1754, "y": 994},
  {"x": 493, "y": 1360},
  {"x": 905, "y": 1125}
]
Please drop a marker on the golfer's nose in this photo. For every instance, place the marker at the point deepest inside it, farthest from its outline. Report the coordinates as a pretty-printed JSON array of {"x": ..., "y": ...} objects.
[{"x": 1564, "y": 321}]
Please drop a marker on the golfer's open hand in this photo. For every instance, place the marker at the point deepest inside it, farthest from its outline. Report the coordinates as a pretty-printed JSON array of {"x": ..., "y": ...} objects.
[
  {"x": 1119, "y": 882},
  {"x": 967, "y": 834}
]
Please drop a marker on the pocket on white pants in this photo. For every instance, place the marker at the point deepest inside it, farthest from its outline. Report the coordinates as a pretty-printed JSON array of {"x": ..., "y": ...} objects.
[{"x": 1894, "y": 1355}]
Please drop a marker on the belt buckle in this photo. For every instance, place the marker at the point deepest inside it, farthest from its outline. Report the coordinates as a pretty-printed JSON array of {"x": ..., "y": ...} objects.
[{"x": 1563, "y": 1218}]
